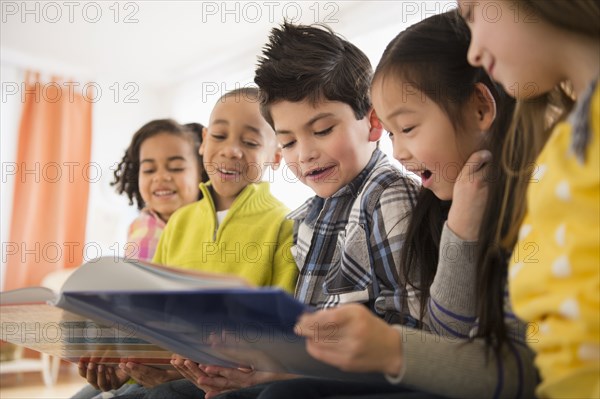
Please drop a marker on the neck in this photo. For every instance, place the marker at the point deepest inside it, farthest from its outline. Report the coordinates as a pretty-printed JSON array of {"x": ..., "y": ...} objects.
[
  {"x": 163, "y": 217},
  {"x": 586, "y": 68},
  {"x": 222, "y": 203}
]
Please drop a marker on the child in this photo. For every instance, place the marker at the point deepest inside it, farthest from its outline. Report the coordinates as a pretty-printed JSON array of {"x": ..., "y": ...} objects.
[
  {"x": 237, "y": 227},
  {"x": 349, "y": 236},
  {"x": 556, "y": 288},
  {"x": 160, "y": 172},
  {"x": 443, "y": 114},
  {"x": 163, "y": 156}
]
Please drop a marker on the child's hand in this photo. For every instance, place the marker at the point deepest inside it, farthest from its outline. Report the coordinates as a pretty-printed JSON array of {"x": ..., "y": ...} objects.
[
  {"x": 214, "y": 380},
  {"x": 353, "y": 339},
  {"x": 102, "y": 377},
  {"x": 470, "y": 196},
  {"x": 147, "y": 376}
]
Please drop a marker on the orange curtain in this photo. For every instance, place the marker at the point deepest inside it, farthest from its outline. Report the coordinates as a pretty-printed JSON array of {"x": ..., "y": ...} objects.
[{"x": 49, "y": 213}]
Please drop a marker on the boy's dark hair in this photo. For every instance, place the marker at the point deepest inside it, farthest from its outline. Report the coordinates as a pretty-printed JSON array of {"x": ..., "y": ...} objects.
[
  {"x": 312, "y": 63},
  {"x": 126, "y": 175},
  {"x": 432, "y": 57},
  {"x": 249, "y": 93}
]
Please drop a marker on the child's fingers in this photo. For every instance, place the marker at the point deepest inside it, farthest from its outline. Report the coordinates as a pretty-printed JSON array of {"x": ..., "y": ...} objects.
[
  {"x": 92, "y": 375},
  {"x": 103, "y": 381},
  {"x": 82, "y": 369}
]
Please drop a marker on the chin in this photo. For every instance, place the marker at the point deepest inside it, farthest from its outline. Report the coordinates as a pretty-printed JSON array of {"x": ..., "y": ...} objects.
[{"x": 442, "y": 196}]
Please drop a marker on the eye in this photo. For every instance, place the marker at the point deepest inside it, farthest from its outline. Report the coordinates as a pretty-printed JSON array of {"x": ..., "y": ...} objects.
[
  {"x": 391, "y": 134},
  {"x": 289, "y": 144},
  {"x": 148, "y": 171},
  {"x": 176, "y": 170},
  {"x": 251, "y": 144},
  {"x": 407, "y": 130},
  {"x": 324, "y": 132},
  {"x": 218, "y": 136}
]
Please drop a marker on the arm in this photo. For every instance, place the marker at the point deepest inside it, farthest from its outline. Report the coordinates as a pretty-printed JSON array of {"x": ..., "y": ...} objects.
[
  {"x": 389, "y": 216},
  {"x": 448, "y": 366},
  {"x": 452, "y": 305},
  {"x": 285, "y": 271},
  {"x": 451, "y": 308}
]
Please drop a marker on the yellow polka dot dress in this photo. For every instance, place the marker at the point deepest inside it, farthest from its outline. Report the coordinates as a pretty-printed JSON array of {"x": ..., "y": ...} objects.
[{"x": 554, "y": 275}]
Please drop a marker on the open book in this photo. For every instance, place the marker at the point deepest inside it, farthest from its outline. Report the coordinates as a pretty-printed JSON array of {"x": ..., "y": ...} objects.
[{"x": 113, "y": 310}]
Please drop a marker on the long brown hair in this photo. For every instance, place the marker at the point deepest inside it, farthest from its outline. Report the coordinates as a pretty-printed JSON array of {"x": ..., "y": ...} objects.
[{"x": 535, "y": 118}]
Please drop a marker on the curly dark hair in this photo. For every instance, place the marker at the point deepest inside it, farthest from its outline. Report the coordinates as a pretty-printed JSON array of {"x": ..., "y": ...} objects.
[{"x": 126, "y": 175}]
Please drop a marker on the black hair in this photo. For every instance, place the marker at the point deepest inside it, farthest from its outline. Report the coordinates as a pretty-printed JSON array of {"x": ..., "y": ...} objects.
[
  {"x": 432, "y": 57},
  {"x": 312, "y": 63}
]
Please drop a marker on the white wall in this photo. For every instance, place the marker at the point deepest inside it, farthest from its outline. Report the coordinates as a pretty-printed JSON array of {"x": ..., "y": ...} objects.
[
  {"x": 119, "y": 109},
  {"x": 114, "y": 121},
  {"x": 10, "y": 114}
]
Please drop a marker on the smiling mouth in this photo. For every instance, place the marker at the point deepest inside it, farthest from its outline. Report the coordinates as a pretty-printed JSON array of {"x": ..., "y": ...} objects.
[
  {"x": 163, "y": 193},
  {"x": 319, "y": 173},
  {"x": 229, "y": 172}
]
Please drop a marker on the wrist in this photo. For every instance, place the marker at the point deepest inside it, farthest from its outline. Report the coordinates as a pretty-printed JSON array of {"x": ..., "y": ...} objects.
[
  {"x": 394, "y": 365},
  {"x": 465, "y": 234}
]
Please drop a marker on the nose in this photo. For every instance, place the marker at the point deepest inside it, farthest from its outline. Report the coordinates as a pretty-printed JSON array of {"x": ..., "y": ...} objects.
[
  {"x": 231, "y": 150},
  {"x": 307, "y": 152},
  {"x": 401, "y": 152},
  {"x": 474, "y": 54},
  {"x": 162, "y": 175}
]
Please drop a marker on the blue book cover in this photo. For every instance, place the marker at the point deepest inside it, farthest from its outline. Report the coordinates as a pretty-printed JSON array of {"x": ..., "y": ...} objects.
[{"x": 208, "y": 318}]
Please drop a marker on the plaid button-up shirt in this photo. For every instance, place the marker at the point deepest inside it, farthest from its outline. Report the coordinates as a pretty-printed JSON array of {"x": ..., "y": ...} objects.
[{"x": 347, "y": 247}]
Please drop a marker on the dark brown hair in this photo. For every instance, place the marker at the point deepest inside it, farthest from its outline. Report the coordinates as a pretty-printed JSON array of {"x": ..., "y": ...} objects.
[
  {"x": 312, "y": 63},
  {"x": 126, "y": 175}
]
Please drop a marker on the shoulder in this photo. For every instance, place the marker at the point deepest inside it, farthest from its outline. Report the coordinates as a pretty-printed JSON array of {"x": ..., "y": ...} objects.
[
  {"x": 146, "y": 218},
  {"x": 388, "y": 185},
  {"x": 267, "y": 203},
  {"x": 185, "y": 215}
]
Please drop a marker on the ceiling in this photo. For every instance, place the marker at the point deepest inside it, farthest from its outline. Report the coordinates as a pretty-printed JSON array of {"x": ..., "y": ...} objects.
[{"x": 164, "y": 42}]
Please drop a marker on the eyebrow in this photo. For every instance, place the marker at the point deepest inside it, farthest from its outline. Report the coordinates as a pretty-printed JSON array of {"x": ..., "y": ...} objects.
[
  {"x": 399, "y": 111},
  {"x": 251, "y": 128},
  {"x": 311, "y": 122},
  {"x": 173, "y": 158}
]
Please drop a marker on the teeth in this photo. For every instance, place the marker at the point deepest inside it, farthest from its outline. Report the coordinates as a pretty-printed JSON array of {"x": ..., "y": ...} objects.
[
  {"x": 228, "y": 172},
  {"x": 164, "y": 192},
  {"x": 314, "y": 172}
]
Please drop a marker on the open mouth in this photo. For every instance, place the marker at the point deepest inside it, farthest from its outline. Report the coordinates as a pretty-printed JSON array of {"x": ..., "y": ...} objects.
[
  {"x": 163, "y": 193},
  {"x": 425, "y": 177},
  {"x": 319, "y": 173},
  {"x": 228, "y": 174}
]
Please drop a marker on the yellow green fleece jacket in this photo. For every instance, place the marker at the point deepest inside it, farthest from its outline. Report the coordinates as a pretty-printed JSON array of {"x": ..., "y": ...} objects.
[{"x": 252, "y": 242}]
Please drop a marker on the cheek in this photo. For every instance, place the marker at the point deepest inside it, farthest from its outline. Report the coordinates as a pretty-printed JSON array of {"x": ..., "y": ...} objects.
[
  {"x": 144, "y": 183},
  {"x": 291, "y": 164}
]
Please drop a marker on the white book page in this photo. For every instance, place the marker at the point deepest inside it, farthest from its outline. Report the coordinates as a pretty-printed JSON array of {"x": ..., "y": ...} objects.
[
  {"x": 117, "y": 274},
  {"x": 27, "y": 295}
]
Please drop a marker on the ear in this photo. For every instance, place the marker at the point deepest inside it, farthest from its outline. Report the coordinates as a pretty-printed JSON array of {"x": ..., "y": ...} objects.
[
  {"x": 375, "y": 126},
  {"x": 204, "y": 134},
  {"x": 485, "y": 106}
]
